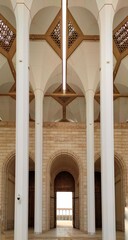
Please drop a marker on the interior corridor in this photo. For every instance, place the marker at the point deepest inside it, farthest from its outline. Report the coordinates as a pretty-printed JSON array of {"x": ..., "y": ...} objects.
[{"x": 61, "y": 233}]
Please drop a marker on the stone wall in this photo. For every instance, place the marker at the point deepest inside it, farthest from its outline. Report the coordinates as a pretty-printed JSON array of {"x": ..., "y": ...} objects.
[{"x": 58, "y": 139}]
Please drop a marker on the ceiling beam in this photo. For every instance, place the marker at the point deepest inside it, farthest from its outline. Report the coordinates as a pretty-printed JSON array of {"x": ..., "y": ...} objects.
[
  {"x": 116, "y": 68},
  {"x": 12, "y": 68},
  {"x": 91, "y": 37},
  {"x": 114, "y": 94},
  {"x": 13, "y": 88},
  {"x": 13, "y": 94},
  {"x": 37, "y": 37},
  {"x": 62, "y": 94}
]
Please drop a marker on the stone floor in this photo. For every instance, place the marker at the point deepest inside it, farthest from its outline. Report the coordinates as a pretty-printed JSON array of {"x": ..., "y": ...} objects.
[{"x": 62, "y": 232}]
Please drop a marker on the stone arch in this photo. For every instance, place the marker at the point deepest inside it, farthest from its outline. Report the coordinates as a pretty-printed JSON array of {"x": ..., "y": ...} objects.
[
  {"x": 53, "y": 169},
  {"x": 122, "y": 165},
  {"x": 8, "y": 189},
  {"x": 121, "y": 179},
  {"x": 7, "y": 161},
  {"x": 42, "y": 5},
  {"x": 61, "y": 152}
]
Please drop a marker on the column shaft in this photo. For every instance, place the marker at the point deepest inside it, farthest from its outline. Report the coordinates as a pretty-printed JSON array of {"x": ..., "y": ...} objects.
[
  {"x": 22, "y": 123},
  {"x": 38, "y": 159},
  {"x": 107, "y": 138},
  {"x": 90, "y": 160}
]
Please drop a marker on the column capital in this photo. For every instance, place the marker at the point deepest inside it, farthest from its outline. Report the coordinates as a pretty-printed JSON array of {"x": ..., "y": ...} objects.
[
  {"x": 22, "y": 13},
  {"x": 103, "y": 3},
  {"x": 38, "y": 91},
  {"x": 106, "y": 15},
  {"x": 89, "y": 92},
  {"x": 27, "y": 3}
]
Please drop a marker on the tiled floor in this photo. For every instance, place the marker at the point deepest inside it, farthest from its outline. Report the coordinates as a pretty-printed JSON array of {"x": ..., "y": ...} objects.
[{"x": 61, "y": 233}]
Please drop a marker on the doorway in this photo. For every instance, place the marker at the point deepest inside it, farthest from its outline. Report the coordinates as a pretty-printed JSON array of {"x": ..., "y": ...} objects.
[
  {"x": 64, "y": 209},
  {"x": 10, "y": 194},
  {"x": 64, "y": 177},
  {"x": 64, "y": 182}
]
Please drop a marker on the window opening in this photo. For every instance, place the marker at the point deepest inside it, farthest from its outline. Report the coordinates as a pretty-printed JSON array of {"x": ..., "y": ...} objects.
[
  {"x": 120, "y": 36},
  {"x": 7, "y": 35}
]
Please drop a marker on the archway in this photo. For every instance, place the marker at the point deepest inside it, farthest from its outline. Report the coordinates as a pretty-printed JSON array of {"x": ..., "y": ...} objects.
[
  {"x": 119, "y": 195},
  {"x": 65, "y": 178},
  {"x": 10, "y": 194}
]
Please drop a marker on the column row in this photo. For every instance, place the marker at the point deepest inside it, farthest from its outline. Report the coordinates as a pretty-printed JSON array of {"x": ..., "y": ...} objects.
[
  {"x": 107, "y": 137},
  {"x": 22, "y": 132}
]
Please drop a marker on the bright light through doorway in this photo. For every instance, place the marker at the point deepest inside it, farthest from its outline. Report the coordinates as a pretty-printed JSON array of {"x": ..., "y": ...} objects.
[{"x": 64, "y": 209}]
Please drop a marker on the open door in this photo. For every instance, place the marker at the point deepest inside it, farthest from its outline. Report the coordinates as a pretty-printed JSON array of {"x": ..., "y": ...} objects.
[{"x": 64, "y": 182}]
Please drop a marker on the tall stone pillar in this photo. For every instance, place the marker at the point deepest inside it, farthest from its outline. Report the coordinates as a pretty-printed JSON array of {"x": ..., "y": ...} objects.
[
  {"x": 90, "y": 160},
  {"x": 38, "y": 159},
  {"x": 107, "y": 139},
  {"x": 22, "y": 122}
]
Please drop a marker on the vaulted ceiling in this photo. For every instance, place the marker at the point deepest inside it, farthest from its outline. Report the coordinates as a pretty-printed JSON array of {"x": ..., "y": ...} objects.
[{"x": 83, "y": 63}]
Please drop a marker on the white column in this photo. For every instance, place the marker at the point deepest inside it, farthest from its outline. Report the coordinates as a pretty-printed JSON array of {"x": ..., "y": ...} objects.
[
  {"x": 90, "y": 160},
  {"x": 107, "y": 139},
  {"x": 126, "y": 222},
  {"x": 38, "y": 159},
  {"x": 22, "y": 123}
]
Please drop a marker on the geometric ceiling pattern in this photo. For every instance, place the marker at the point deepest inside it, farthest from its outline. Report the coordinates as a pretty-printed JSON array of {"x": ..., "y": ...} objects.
[
  {"x": 120, "y": 37},
  {"x": 53, "y": 36},
  {"x": 7, "y": 35},
  {"x": 74, "y": 38},
  {"x": 120, "y": 47}
]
